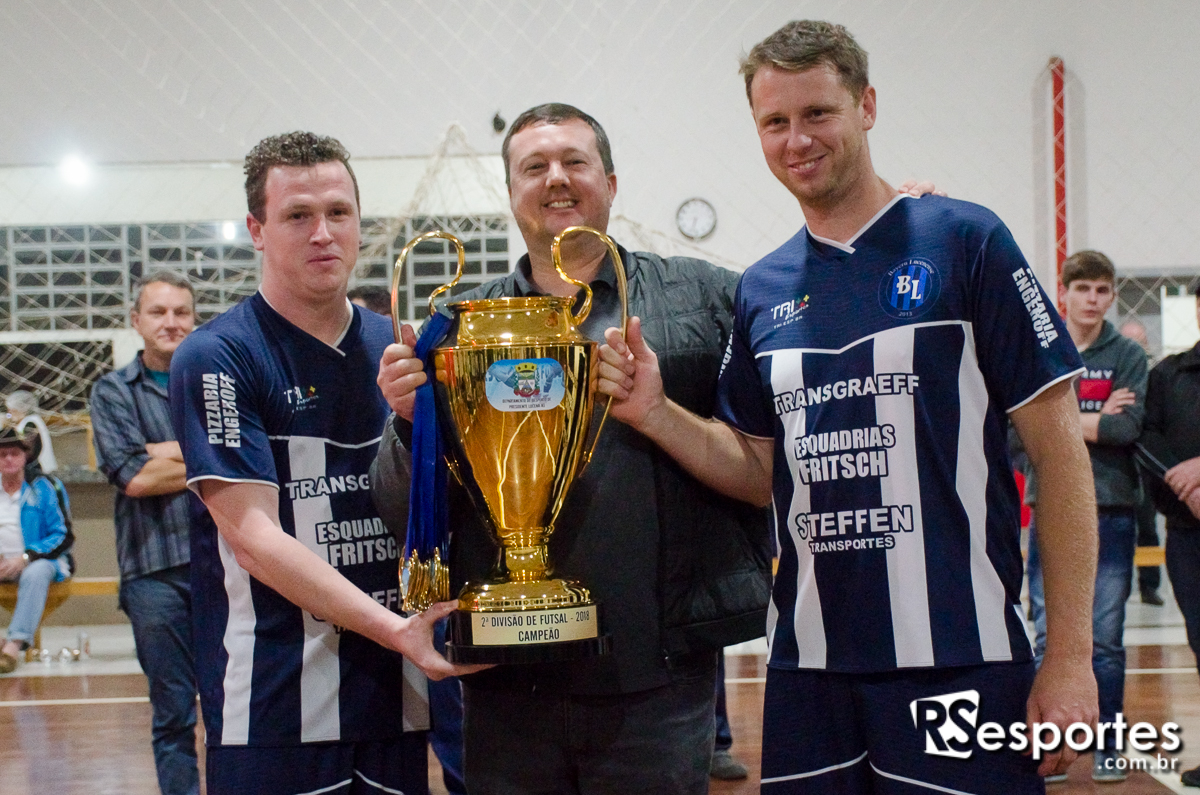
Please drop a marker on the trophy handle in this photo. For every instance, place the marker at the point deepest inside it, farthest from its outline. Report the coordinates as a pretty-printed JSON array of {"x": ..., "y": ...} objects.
[
  {"x": 622, "y": 290},
  {"x": 397, "y": 271},
  {"x": 618, "y": 267}
]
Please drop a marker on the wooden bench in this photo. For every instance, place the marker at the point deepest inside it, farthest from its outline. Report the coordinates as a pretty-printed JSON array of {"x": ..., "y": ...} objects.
[
  {"x": 59, "y": 592},
  {"x": 1150, "y": 556}
]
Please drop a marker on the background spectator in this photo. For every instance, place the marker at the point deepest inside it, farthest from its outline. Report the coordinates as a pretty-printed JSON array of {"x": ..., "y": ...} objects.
[
  {"x": 22, "y": 407},
  {"x": 137, "y": 451},
  {"x": 377, "y": 299},
  {"x": 1171, "y": 444},
  {"x": 1149, "y": 577},
  {"x": 33, "y": 544}
]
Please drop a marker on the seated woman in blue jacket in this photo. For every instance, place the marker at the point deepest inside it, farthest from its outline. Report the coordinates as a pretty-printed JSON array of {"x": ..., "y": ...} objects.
[{"x": 33, "y": 542}]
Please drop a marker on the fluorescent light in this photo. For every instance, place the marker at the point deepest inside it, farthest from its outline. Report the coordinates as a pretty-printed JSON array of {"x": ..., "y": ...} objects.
[
  {"x": 228, "y": 230},
  {"x": 75, "y": 170}
]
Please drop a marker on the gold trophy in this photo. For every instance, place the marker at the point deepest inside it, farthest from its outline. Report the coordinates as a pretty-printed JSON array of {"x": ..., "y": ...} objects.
[{"x": 515, "y": 389}]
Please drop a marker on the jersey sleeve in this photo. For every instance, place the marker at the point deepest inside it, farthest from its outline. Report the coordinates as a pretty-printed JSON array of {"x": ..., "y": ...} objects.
[
  {"x": 216, "y": 410},
  {"x": 741, "y": 399},
  {"x": 1021, "y": 343}
]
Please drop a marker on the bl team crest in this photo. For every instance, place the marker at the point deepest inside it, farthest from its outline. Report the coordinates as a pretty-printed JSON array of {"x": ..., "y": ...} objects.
[{"x": 909, "y": 289}]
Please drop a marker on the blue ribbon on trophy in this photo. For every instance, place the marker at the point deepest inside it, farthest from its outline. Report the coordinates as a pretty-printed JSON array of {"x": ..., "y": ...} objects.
[{"x": 425, "y": 574}]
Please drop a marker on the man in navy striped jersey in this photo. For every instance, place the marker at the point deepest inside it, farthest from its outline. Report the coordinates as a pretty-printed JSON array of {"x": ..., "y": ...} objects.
[
  {"x": 298, "y": 635},
  {"x": 875, "y": 361}
]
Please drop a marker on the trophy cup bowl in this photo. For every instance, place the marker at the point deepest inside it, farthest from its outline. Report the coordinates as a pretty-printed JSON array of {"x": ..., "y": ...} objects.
[{"x": 515, "y": 389}]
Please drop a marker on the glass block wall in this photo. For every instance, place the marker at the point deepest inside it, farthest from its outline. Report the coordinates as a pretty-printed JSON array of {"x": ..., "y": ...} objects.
[
  {"x": 66, "y": 278},
  {"x": 433, "y": 262}
]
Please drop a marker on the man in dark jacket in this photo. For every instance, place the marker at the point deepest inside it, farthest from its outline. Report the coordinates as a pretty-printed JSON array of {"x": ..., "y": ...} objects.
[
  {"x": 1111, "y": 396},
  {"x": 1171, "y": 440},
  {"x": 1149, "y": 577},
  {"x": 680, "y": 571}
]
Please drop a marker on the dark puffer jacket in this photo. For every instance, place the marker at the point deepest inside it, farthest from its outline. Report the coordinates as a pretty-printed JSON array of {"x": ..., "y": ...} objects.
[
  {"x": 680, "y": 570},
  {"x": 1171, "y": 433}
]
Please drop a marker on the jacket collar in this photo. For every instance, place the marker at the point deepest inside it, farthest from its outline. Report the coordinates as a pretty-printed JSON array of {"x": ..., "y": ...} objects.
[
  {"x": 136, "y": 371},
  {"x": 523, "y": 273},
  {"x": 1190, "y": 359},
  {"x": 23, "y": 494}
]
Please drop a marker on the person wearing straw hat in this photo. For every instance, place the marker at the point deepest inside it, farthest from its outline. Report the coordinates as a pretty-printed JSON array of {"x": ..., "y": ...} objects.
[{"x": 33, "y": 544}]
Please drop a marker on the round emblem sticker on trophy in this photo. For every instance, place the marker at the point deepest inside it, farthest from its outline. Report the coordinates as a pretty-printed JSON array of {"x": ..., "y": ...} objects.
[{"x": 514, "y": 388}]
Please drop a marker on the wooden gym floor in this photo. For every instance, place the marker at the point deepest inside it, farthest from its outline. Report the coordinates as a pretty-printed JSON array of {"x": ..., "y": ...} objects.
[{"x": 89, "y": 733}]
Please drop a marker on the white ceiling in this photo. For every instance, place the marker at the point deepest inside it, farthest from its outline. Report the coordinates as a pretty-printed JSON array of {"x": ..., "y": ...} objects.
[{"x": 962, "y": 93}]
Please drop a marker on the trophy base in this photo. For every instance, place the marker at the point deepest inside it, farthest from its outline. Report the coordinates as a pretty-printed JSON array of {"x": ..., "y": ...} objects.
[
  {"x": 467, "y": 654},
  {"x": 543, "y": 621}
]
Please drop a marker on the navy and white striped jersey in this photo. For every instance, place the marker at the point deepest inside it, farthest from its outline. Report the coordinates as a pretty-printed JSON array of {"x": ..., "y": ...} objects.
[
  {"x": 254, "y": 399},
  {"x": 883, "y": 369}
]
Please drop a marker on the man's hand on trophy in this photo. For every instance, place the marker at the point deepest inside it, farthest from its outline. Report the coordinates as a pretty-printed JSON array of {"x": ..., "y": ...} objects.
[
  {"x": 414, "y": 639},
  {"x": 400, "y": 373},
  {"x": 629, "y": 373}
]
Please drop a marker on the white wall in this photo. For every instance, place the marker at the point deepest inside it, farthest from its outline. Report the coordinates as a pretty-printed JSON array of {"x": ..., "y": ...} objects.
[
  {"x": 962, "y": 86},
  {"x": 166, "y": 192}
]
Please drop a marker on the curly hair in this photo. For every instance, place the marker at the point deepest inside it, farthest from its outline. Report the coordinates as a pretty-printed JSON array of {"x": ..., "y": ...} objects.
[
  {"x": 290, "y": 149},
  {"x": 801, "y": 45}
]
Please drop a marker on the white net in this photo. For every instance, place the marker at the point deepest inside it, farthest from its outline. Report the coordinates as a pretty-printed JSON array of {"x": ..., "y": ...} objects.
[
  {"x": 1163, "y": 304},
  {"x": 58, "y": 373},
  {"x": 456, "y": 177},
  {"x": 139, "y": 81},
  {"x": 66, "y": 290}
]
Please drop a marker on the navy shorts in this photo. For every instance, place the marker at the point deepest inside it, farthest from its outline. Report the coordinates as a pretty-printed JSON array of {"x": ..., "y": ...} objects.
[
  {"x": 396, "y": 766},
  {"x": 896, "y": 732}
]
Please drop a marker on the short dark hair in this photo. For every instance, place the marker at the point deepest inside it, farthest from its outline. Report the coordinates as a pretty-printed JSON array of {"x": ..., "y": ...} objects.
[
  {"x": 802, "y": 44},
  {"x": 290, "y": 149},
  {"x": 374, "y": 297},
  {"x": 162, "y": 277},
  {"x": 556, "y": 113},
  {"x": 1087, "y": 265}
]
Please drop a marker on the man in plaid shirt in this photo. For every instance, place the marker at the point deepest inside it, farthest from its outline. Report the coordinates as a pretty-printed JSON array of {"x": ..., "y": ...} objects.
[{"x": 137, "y": 451}]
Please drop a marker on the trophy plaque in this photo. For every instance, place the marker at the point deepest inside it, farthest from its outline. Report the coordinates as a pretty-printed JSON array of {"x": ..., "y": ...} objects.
[{"x": 515, "y": 388}]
